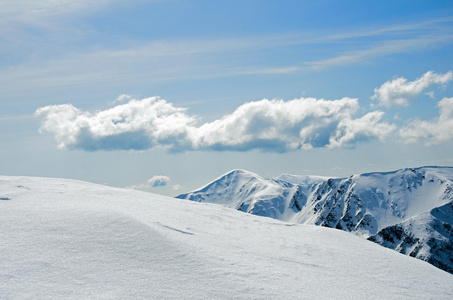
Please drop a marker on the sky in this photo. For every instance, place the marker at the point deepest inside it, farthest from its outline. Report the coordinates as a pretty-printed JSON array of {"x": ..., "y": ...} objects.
[{"x": 165, "y": 96}]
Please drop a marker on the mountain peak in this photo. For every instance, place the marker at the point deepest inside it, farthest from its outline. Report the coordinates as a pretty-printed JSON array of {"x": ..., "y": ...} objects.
[{"x": 240, "y": 172}]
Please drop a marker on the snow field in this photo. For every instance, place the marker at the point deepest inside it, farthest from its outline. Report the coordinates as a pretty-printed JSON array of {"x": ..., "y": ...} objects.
[{"x": 72, "y": 240}]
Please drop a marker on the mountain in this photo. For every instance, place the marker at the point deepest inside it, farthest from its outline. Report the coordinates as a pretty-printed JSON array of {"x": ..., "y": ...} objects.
[
  {"x": 66, "y": 239},
  {"x": 407, "y": 210},
  {"x": 427, "y": 236}
]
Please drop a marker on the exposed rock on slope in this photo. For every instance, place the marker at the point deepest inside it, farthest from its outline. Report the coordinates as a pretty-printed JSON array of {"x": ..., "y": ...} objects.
[
  {"x": 406, "y": 210},
  {"x": 427, "y": 236}
]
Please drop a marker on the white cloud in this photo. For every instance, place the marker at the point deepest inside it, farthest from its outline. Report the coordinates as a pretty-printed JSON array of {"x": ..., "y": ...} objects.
[
  {"x": 137, "y": 125},
  {"x": 154, "y": 182},
  {"x": 433, "y": 132},
  {"x": 268, "y": 125},
  {"x": 158, "y": 180},
  {"x": 399, "y": 91},
  {"x": 276, "y": 124},
  {"x": 430, "y": 94},
  {"x": 369, "y": 126},
  {"x": 122, "y": 98}
]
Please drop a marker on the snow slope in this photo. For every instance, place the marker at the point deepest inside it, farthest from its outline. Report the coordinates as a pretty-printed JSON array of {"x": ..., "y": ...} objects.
[
  {"x": 74, "y": 240},
  {"x": 364, "y": 204}
]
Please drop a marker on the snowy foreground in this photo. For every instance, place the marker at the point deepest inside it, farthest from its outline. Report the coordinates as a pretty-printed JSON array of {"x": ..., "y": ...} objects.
[{"x": 74, "y": 240}]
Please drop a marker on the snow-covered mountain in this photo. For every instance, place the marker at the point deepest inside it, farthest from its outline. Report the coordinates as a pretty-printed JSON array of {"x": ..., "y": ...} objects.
[
  {"x": 408, "y": 210},
  {"x": 66, "y": 239},
  {"x": 427, "y": 236}
]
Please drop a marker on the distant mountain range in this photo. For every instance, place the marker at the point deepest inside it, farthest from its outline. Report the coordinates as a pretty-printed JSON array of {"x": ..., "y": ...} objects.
[{"x": 408, "y": 210}]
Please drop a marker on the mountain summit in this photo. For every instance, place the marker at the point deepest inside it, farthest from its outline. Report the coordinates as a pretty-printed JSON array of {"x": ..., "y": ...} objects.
[{"x": 408, "y": 210}]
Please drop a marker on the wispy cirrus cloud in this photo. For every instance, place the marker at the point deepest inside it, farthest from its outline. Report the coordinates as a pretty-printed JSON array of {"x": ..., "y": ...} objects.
[
  {"x": 38, "y": 12},
  {"x": 421, "y": 28},
  {"x": 273, "y": 71},
  {"x": 140, "y": 62},
  {"x": 393, "y": 39},
  {"x": 267, "y": 125},
  {"x": 379, "y": 49},
  {"x": 151, "y": 61}
]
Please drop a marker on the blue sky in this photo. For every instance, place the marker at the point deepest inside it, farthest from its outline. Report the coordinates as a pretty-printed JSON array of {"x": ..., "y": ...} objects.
[{"x": 167, "y": 95}]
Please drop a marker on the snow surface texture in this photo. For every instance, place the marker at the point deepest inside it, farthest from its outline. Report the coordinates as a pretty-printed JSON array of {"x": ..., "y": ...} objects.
[
  {"x": 65, "y": 239},
  {"x": 409, "y": 210}
]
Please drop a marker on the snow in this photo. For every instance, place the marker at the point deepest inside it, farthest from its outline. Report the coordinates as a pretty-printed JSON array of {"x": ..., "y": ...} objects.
[
  {"x": 75, "y": 240},
  {"x": 302, "y": 179},
  {"x": 410, "y": 192}
]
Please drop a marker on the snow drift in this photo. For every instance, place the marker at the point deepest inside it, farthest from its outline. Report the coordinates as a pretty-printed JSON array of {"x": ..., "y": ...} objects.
[{"x": 75, "y": 240}]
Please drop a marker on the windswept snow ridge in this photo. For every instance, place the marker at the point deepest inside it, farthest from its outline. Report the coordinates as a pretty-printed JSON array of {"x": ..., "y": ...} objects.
[
  {"x": 65, "y": 239},
  {"x": 408, "y": 210}
]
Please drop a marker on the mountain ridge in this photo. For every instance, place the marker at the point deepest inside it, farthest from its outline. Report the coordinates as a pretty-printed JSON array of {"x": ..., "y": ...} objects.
[{"x": 366, "y": 204}]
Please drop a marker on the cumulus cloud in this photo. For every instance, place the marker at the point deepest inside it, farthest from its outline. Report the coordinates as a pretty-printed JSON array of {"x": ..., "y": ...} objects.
[
  {"x": 137, "y": 125},
  {"x": 399, "y": 91},
  {"x": 154, "y": 182},
  {"x": 432, "y": 132},
  {"x": 276, "y": 124},
  {"x": 351, "y": 131},
  {"x": 158, "y": 180},
  {"x": 268, "y": 125}
]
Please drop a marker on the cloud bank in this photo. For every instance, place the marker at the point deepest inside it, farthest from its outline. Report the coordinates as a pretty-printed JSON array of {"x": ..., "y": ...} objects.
[
  {"x": 399, "y": 91},
  {"x": 267, "y": 125},
  {"x": 432, "y": 132}
]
